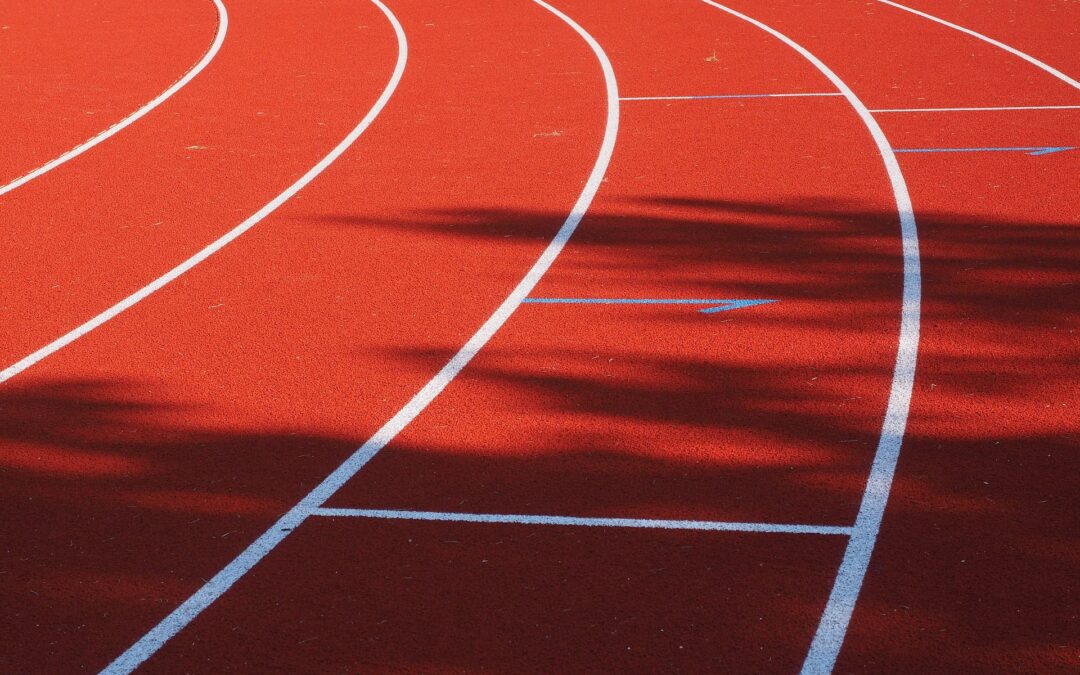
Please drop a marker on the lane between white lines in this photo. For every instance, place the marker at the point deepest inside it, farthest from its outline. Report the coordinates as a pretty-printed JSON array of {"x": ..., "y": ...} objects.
[
  {"x": 833, "y": 625},
  {"x": 215, "y": 46},
  {"x": 213, "y": 589},
  {"x": 215, "y": 246},
  {"x": 1000, "y": 45}
]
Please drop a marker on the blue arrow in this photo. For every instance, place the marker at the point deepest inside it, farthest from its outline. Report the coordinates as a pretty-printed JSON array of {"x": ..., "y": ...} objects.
[
  {"x": 719, "y": 305},
  {"x": 1034, "y": 152}
]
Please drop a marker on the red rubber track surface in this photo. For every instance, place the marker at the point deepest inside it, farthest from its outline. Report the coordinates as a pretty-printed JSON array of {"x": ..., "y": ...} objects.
[
  {"x": 1046, "y": 29},
  {"x": 96, "y": 229},
  {"x": 73, "y": 69},
  {"x": 975, "y": 570},
  {"x": 173, "y": 439},
  {"x": 648, "y": 412},
  {"x": 142, "y": 458},
  {"x": 94, "y": 468}
]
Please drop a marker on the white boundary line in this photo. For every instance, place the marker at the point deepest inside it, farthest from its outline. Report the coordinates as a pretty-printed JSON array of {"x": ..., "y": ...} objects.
[
  {"x": 722, "y": 96},
  {"x": 837, "y": 615},
  {"x": 643, "y": 523},
  {"x": 213, "y": 589},
  {"x": 1001, "y": 45},
  {"x": 215, "y": 46},
  {"x": 977, "y": 109},
  {"x": 218, "y": 244}
]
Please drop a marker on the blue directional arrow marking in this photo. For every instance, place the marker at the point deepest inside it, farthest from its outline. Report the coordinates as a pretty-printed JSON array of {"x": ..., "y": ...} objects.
[
  {"x": 1034, "y": 152},
  {"x": 714, "y": 305}
]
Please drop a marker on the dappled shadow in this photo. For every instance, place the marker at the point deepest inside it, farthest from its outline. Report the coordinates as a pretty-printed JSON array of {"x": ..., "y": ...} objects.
[
  {"x": 985, "y": 479},
  {"x": 118, "y": 505},
  {"x": 797, "y": 247}
]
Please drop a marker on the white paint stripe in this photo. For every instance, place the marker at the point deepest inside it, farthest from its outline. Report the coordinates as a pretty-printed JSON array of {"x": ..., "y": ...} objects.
[
  {"x": 988, "y": 108},
  {"x": 223, "y": 26},
  {"x": 736, "y": 96},
  {"x": 170, "y": 276},
  {"x": 239, "y": 566},
  {"x": 644, "y": 523},
  {"x": 837, "y": 615},
  {"x": 1001, "y": 45}
]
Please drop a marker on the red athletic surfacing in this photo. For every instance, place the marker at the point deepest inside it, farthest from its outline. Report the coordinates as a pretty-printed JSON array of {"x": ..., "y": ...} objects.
[{"x": 145, "y": 456}]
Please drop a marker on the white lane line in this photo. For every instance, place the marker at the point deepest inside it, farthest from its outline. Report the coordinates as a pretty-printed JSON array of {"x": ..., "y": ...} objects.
[
  {"x": 977, "y": 109},
  {"x": 156, "y": 285},
  {"x": 243, "y": 563},
  {"x": 215, "y": 46},
  {"x": 716, "y": 96},
  {"x": 1001, "y": 45},
  {"x": 643, "y": 523},
  {"x": 837, "y": 615}
]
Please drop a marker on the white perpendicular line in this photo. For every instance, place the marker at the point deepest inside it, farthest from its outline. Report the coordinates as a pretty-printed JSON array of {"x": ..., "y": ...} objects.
[
  {"x": 834, "y": 622},
  {"x": 571, "y": 521},
  {"x": 1000, "y": 45},
  {"x": 709, "y": 96},
  {"x": 977, "y": 109},
  {"x": 215, "y": 246},
  {"x": 215, "y": 46},
  {"x": 213, "y": 589}
]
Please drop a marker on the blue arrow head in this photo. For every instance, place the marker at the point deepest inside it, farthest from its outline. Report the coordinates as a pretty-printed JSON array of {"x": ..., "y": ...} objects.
[
  {"x": 734, "y": 304},
  {"x": 1047, "y": 151}
]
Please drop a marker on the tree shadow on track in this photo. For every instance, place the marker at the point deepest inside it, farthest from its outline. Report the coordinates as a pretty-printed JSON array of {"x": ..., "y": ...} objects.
[
  {"x": 797, "y": 247},
  {"x": 119, "y": 505},
  {"x": 979, "y": 540}
]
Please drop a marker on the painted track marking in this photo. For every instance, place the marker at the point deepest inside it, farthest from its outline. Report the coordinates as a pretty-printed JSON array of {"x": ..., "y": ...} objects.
[
  {"x": 722, "y": 305},
  {"x": 642, "y": 523},
  {"x": 837, "y": 615},
  {"x": 1000, "y": 45},
  {"x": 977, "y": 109},
  {"x": 1034, "y": 152},
  {"x": 218, "y": 244},
  {"x": 215, "y": 46},
  {"x": 722, "y": 96},
  {"x": 213, "y": 589}
]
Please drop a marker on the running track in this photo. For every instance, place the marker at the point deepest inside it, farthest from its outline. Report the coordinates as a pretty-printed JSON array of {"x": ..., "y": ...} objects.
[{"x": 540, "y": 486}]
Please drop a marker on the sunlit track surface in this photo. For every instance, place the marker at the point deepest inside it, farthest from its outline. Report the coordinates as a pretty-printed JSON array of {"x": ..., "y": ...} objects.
[
  {"x": 1041, "y": 65},
  {"x": 215, "y": 246},
  {"x": 466, "y": 385},
  {"x": 33, "y": 83},
  {"x": 98, "y": 233}
]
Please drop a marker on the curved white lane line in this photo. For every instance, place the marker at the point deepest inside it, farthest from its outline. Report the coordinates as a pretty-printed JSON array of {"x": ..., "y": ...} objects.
[
  {"x": 1001, "y": 45},
  {"x": 66, "y": 339},
  {"x": 215, "y": 46},
  {"x": 243, "y": 563},
  {"x": 837, "y": 615}
]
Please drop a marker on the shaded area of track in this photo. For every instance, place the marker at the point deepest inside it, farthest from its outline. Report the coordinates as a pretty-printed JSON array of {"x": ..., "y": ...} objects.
[
  {"x": 986, "y": 577},
  {"x": 120, "y": 433},
  {"x": 449, "y": 597}
]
